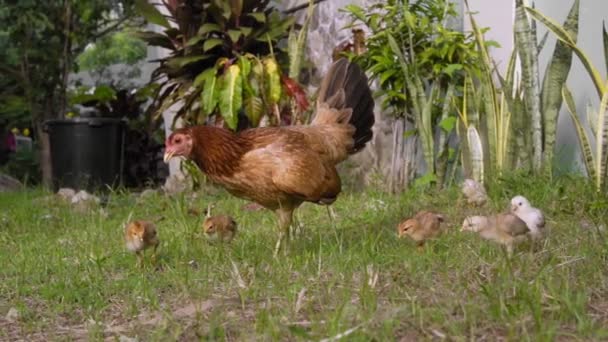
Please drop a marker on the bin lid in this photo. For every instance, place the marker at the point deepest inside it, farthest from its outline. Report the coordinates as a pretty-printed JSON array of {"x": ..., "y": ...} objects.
[{"x": 85, "y": 120}]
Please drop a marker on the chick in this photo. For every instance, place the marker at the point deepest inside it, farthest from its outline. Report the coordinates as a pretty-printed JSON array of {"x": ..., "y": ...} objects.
[
  {"x": 139, "y": 236},
  {"x": 423, "y": 226},
  {"x": 505, "y": 229},
  {"x": 219, "y": 227},
  {"x": 474, "y": 192},
  {"x": 533, "y": 217}
]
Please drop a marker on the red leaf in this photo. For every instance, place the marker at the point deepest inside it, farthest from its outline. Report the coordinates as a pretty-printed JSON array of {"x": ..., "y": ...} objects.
[{"x": 294, "y": 90}]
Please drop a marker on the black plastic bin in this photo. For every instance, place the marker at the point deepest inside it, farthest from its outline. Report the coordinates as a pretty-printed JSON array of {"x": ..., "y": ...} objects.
[{"x": 86, "y": 153}]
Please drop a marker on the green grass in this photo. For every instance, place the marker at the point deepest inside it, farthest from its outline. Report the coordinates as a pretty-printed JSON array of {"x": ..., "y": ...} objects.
[{"x": 70, "y": 277}]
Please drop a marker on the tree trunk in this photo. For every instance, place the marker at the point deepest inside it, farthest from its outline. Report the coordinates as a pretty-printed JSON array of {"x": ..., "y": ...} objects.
[{"x": 45, "y": 157}]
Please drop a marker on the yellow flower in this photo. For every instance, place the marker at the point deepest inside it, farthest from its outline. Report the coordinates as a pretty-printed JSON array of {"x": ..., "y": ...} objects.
[
  {"x": 15, "y": 130},
  {"x": 26, "y": 132}
]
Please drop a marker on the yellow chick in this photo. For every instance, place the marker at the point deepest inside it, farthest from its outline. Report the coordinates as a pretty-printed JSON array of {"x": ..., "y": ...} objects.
[
  {"x": 505, "y": 229},
  {"x": 139, "y": 236},
  {"x": 219, "y": 227},
  {"x": 423, "y": 226}
]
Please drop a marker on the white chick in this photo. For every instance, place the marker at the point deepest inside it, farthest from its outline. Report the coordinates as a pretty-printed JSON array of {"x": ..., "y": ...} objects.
[
  {"x": 533, "y": 217},
  {"x": 505, "y": 229},
  {"x": 474, "y": 192}
]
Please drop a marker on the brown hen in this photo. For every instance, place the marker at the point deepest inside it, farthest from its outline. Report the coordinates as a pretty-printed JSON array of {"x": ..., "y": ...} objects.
[{"x": 282, "y": 167}]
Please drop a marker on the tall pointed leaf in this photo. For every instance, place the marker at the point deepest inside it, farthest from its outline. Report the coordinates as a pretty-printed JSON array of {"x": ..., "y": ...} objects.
[
  {"x": 601, "y": 142},
  {"x": 297, "y": 44},
  {"x": 562, "y": 35},
  {"x": 445, "y": 123},
  {"x": 476, "y": 153},
  {"x": 581, "y": 133},
  {"x": 555, "y": 77},
  {"x": 231, "y": 96},
  {"x": 605, "y": 36},
  {"x": 530, "y": 76}
]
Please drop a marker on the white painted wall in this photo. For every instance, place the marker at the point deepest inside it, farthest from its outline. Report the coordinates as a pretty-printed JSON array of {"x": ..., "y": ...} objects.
[{"x": 498, "y": 15}]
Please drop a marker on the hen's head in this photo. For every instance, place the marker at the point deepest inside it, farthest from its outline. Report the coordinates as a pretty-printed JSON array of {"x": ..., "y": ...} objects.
[
  {"x": 179, "y": 143},
  {"x": 519, "y": 203}
]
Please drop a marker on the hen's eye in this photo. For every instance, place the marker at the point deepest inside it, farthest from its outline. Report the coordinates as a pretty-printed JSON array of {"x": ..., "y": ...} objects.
[
  {"x": 178, "y": 141},
  {"x": 520, "y": 203}
]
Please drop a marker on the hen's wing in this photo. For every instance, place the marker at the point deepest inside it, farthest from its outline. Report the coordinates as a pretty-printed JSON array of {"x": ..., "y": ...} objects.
[{"x": 283, "y": 166}]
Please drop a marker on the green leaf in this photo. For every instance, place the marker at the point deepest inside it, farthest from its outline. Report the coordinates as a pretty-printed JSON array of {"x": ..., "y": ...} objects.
[
  {"x": 245, "y": 65},
  {"x": 234, "y": 35},
  {"x": 448, "y": 123},
  {"x": 356, "y": 11},
  {"x": 209, "y": 27},
  {"x": 179, "y": 62},
  {"x": 211, "y": 43},
  {"x": 254, "y": 109},
  {"x": 256, "y": 79},
  {"x": 155, "y": 39},
  {"x": 260, "y": 17},
  {"x": 425, "y": 180},
  {"x": 272, "y": 80},
  {"x": 209, "y": 97},
  {"x": 246, "y": 30},
  {"x": 451, "y": 68},
  {"x": 409, "y": 133},
  {"x": 194, "y": 40},
  {"x": 231, "y": 96},
  {"x": 151, "y": 13},
  {"x": 397, "y": 51},
  {"x": 104, "y": 93}
]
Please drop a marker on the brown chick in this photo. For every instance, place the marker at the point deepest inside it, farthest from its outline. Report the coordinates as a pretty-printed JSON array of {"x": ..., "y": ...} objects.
[
  {"x": 139, "y": 236},
  {"x": 423, "y": 226},
  {"x": 219, "y": 227},
  {"x": 505, "y": 229}
]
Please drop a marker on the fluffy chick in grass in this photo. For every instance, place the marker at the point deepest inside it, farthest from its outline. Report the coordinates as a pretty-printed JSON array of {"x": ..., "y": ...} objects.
[
  {"x": 474, "y": 192},
  {"x": 533, "y": 217},
  {"x": 423, "y": 226},
  {"x": 219, "y": 228},
  {"x": 505, "y": 229},
  {"x": 139, "y": 236}
]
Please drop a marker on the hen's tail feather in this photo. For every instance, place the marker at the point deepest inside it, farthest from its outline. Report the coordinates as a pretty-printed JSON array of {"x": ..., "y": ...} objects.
[{"x": 346, "y": 92}]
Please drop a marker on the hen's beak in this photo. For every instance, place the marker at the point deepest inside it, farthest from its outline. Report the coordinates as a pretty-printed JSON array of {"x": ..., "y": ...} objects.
[
  {"x": 513, "y": 208},
  {"x": 168, "y": 155}
]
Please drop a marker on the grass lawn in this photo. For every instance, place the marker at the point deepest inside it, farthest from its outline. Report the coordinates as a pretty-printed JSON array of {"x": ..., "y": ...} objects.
[{"x": 69, "y": 277}]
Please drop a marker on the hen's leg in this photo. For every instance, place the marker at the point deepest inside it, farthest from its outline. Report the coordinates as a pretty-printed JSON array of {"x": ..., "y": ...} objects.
[{"x": 285, "y": 216}]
